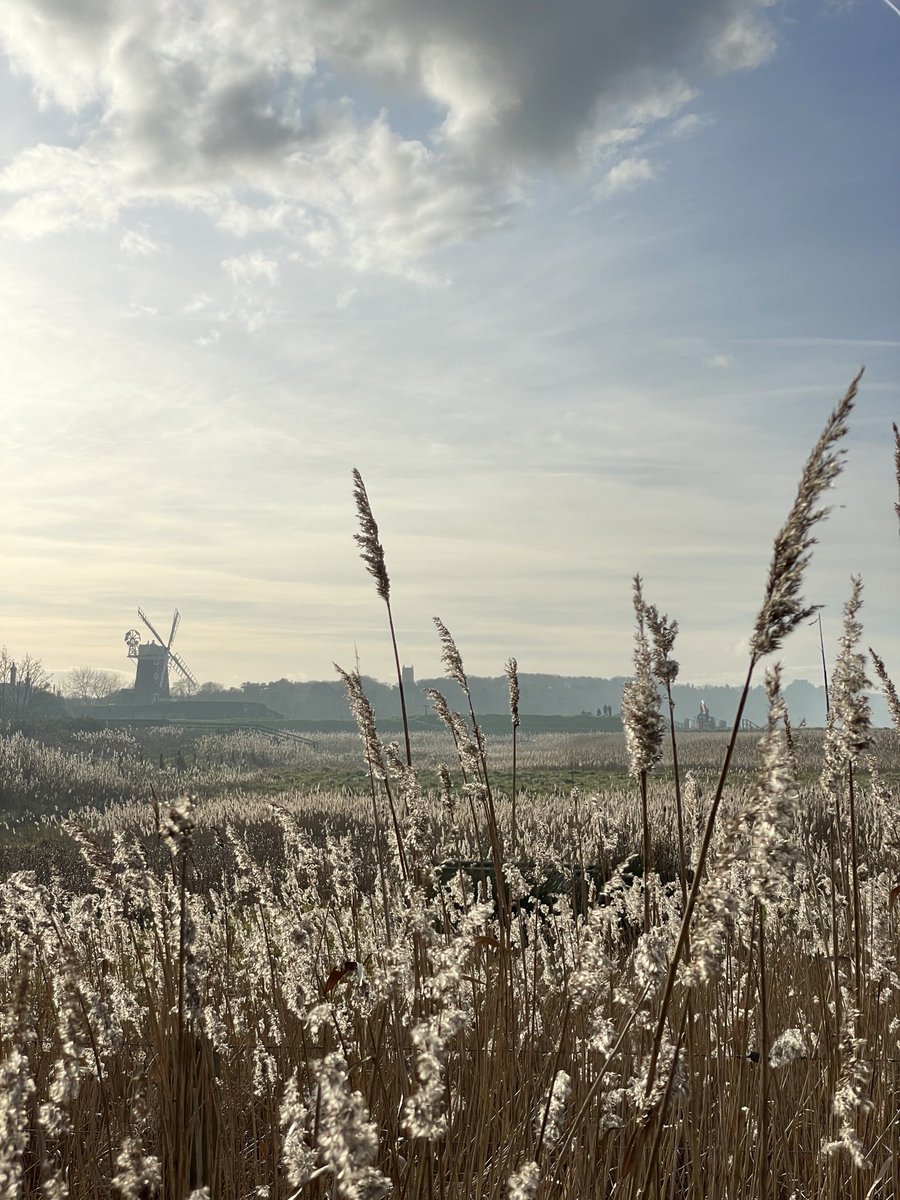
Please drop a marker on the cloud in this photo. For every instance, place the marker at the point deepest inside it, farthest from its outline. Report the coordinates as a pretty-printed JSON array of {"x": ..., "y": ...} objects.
[
  {"x": 625, "y": 176},
  {"x": 136, "y": 244},
  {"x": 261, "y": 126},
  {"x": 688, "y": 125},
  {"x": 741, "y": 43},
  {"x": 248, "y": 268},
  {"x": 198, "y": 304}
]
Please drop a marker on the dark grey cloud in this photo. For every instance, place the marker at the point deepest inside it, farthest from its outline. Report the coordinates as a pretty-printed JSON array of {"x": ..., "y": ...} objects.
[{"x": 541, "y": 76}]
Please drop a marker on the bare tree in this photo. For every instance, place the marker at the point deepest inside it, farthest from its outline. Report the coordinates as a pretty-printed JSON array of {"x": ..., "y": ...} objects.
[
  {"x": 20, "y": 679},
  {"x": 90, "y": 683}
]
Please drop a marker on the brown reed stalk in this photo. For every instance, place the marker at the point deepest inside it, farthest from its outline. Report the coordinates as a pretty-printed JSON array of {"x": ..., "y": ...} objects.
[
  {"x": 855, "y": 890},
  {"x": 765, "y": 1151},
  {"x": 372, "y": 554},
  {"x": 379, "y": 853},
  {"x": 651, "y": 1169},
  {"x": 645, "y": 828},
  {"x": 512, "y": 676},
  {"x": 818, "y": 621},
  {"x": 897, "y": 465}
]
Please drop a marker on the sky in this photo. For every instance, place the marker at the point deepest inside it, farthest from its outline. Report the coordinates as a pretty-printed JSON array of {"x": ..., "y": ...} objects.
[{"x": 574, "y": 286}]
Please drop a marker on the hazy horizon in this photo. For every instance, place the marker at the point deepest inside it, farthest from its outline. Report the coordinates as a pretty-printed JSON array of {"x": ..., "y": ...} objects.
[{"x": 575, "y": 289}]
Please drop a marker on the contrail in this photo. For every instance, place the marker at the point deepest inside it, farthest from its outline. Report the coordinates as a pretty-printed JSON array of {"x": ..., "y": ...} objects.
[{"x": 892, "y": 6}]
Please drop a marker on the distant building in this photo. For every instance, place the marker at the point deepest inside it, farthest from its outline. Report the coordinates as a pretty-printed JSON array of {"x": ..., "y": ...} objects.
[
  {"x": 704, "y": 720},
  {"x": 151, "y": 680}
]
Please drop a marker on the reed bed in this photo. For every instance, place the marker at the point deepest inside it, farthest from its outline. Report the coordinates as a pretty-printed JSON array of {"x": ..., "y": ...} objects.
[{"x": 682, "y": 985}]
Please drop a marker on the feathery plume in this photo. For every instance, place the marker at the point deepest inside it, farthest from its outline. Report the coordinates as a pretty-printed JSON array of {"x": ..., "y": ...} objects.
[
  {"x": 551, "y": 1115},
  {"x": 663, "y": 633},
  {"x": 465, "y": 746},
  {"x": 451, "y": 657},
  {"x": 788, "y": 1047},
  {"x": 347, "y": 1137},
  {"x": 424, "y": 1111},
  {"x": 297, "y": 1157},
  {"x": 512, "y": 677},
  {"x": 769, "y": 851},
  {"x": 140, "y": 1175},
  {"x": 372, "y": 554},
  {"x": 783, "y": 607},
  {"x": 17, "y": 1091},
  {"x": 523, "y": 1184},
  {"x": 773, "y": 847},
  {"x": 178, "y": 825},
  {"x": 448, "y": 801},
  {"x": 640, "y": 700},
  {"x": 370, "y": 548},
  {"x": 851, "y": 1097},
  {"x": 365, "y": 720},
  {"x": 651, "y": 961},
  {"x": 887, "y": 686},
  {"x": 849, "y": 731}
]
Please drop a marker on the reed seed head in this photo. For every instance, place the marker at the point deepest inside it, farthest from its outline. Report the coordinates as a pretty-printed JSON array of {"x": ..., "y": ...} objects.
[
  {"x": 887, "y": 687},
  {"x": 298, "y": 1158},
  {"x": 663, "y": 633},
  {"x": 640, "y": 699},
  {"x": 178, "y": 825},
  {"x": 512, "y": 677},
  {"x": 139, "y": 1174},
  {"x": 849, "y": 732},
  {"x": 783, "y": 607},
  {"x": 365, "y": 720},
  {"x": 347, "y": 1137},
  {"x": 851, "y": 1097},
  {"x": 451, "y": 657},
  {"x": 370, "y": 548},
  {"x": 773, "y": 848},
  {"x": 523, "y": 1184},
  {"x": 550, "y": 1118}
]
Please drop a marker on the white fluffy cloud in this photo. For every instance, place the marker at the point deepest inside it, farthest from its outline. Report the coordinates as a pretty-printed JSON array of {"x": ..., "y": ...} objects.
[
  {"x": 261, "y": 116},
  {"x": 137, "y": 244},
  {"x": 626, "y": 175},
  {"x": 248, "y": 268}
]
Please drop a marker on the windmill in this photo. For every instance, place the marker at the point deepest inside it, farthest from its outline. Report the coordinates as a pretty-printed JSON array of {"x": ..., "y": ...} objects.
[{"x": 151, "y": 682}]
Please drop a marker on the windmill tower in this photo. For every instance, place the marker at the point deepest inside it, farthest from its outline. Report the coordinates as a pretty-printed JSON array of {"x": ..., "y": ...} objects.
[{"x": 154, "y": 658}]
